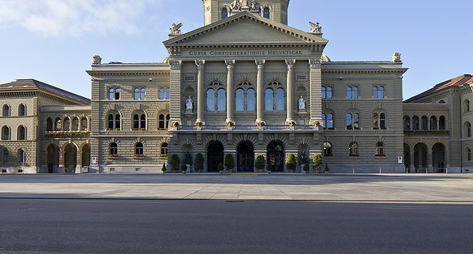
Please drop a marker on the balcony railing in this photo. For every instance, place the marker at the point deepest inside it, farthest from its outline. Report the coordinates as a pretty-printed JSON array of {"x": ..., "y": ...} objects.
[
  {"x": 427, "y": 133},
  {"x": 66, "y": 133}
]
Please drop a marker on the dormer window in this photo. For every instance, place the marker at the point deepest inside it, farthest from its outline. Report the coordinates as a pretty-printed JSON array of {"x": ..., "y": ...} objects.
[
  {"x": 224, "y": 13},
  {"x": 266, "y": 13}
]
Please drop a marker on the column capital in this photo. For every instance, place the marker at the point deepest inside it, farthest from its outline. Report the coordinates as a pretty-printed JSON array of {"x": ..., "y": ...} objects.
[
  {"x": 229, "y": 63},
  {"x": 200, "y": 63},
  {"x": 175, "y": 64},
  {"x": 260, "y": 62},
  {"x": 290, "y": 62},
  {"x": 315, "y": 63}
]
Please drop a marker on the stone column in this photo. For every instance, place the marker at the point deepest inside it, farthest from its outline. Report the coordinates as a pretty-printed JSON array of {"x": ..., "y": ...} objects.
[
  {"x": 175, "y": 87},
  {"x": 200, "y": 90},
  {"x": 315, "y": 91},
  {"x": 230, "y": 93},
  {"x": 260, "y": 90},
  {"x": 290, "y": 89}
]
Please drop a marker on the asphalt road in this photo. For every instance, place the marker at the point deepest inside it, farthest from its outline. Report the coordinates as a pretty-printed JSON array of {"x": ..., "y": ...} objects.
[{"x": 213, "y": 226}]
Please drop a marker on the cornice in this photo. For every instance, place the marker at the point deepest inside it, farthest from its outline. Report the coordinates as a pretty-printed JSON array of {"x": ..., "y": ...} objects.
[
  {"x": 371, "y": 71},
  {"x": 127, "y": 73}
]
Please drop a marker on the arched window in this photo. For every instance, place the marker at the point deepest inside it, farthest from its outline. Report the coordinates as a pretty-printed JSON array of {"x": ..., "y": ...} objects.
[
  {"x": 168, "y": 117},
  {"x": 49, "y": 124},
  {"x": 467, "y": 106},
  {"x": 113, "y": 149},
  {"x": 327, "y": 149},
  {"x": 349, "y": 92},
  {"x": 164, "y": 149},
  {"x": 111, "y": 121},
  {"x": 380, "y": 149},
  {"x": 6, "y": 110},
  {"x": 324, "y": 92},
  {"x": 139, "y": 149},
  {"x": 379, "y": 121},
  {"x": 168, "y": 93},
  {"x": 330, "y": 121},
  {"x": 66, "y": 126},
  {"x": 211, "y": 100},
  {"x": 221, "y": 100},
  {"x": 378, "y": 92},
  {"x": 240, "y": 100},
  {"x": 424, "y": 123},
  {"x": 140, "y": 93},
  {"x": 269, "y": 100},
  {"x": 349, "y": 122},
  {"x": 136, "y": 122},
  {"x": 162, "y": 122},
  {"x": 353, "y": 149},
  {"x": 382, "y": 121},
  {"x": 468, "y": 130},
  {"x": 381, "y": 92},
  {"x": 375, "y": 92},
  {"x": 442, "y": 123},
  {"x": 355, "y": 92},
  {"x": 139, "y": 121},
  {"x": 114, "y": 93},
  {"x": 117, "y": 121},
  {"x": 407, "y": 123},
  {"x": 224, "y": 13},
  {"x": 376, "y": 121},
  {"x": 21, "y": 133},
  {"x": 75, "y": 124},
  {"x": 5, "y": 133},
  {"x": 356, "y": 121},
  {"x": 22, "y": 110},
  {"x": 143, "y": 122},
  {"x": 57, "y": 124},
  {"x": 137, "y": 93},
  {"x": 280, "y": 99},
  {"x": 266, "y": 13},
  {"x": 329, "y": 92},
  {"x": 83, "y": 124},
  {"x": 161, "y": 94},
  {"x": 442, "y": 102},
  {"x": 415, "y": 123},
  {"x": 468, "y": 154},
  {"x": 250, "y": 100},
  {"x": 433, "y": 123},
  {"x": 324, "y": 120}
]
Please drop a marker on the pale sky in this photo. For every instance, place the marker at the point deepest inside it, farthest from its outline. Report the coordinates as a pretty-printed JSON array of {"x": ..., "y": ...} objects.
[{"x": 54, "y": 40}]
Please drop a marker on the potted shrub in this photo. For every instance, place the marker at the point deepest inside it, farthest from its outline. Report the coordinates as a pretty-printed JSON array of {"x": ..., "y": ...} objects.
[
  {"x": 188, "y": 160},
  {"x": 220, "y": 167},
  {"x": 259, "y": 163},
  {"x": 174, "y": 163},
  {"x": 306, "y": 168},
  {"x": 268, "y": 168},
  {"x": 326, "y": 168},
  {"x": 229, "y": 162},
  {"x": 164, "y": 168},
  {"x": 184, "y": 168},
  {"x": 199, "y": 162},
  {"x": 291, "y": 163},
  {"x": 317, "y": 160}
]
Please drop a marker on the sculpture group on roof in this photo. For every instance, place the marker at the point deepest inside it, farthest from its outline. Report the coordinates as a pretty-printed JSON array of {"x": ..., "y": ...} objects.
[{"x": 239, "y": 5}]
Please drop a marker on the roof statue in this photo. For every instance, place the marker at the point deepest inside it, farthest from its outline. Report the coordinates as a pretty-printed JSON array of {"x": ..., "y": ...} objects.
[
  {"x": 397, "y": 57},
  {"x": 175, "y": 29},
  {"x": 315, "y": 28},
  {"x": 251, "y": 5}
]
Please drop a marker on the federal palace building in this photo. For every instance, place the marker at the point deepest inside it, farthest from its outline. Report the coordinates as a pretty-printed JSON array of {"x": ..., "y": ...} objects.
[{"x": 244, "y": 84}]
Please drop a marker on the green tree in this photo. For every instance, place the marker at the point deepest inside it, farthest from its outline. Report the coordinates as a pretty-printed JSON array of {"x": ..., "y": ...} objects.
[
  {"x": 291, "y": 162},
  {"x": 174, "y": 162},
  {"x": 259, "y": 164},
  {"x": 317, "y": 160},
  {"x": 229, "y": 161},
  {"x": 199, "y": 161}
]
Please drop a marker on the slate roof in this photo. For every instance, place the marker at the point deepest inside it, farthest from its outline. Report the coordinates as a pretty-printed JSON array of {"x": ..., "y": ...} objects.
[
  {"x": 32, "y": 84},
  {"x": 455, "y": 82}
]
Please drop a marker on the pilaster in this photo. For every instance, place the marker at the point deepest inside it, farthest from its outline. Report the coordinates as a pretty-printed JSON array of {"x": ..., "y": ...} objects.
[
  {"x": 260, "y": 91},
  {"x": 290, "y": 90},
  {"x": 230, "y": 94},
  {"x": 175, "y": 78},
  {"x": 200, "y": 91},
  {"x": 315, "y": 91}
]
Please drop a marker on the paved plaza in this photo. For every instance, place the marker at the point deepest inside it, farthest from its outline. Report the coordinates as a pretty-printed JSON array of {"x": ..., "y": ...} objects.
[{"x": 377, "y": 188}]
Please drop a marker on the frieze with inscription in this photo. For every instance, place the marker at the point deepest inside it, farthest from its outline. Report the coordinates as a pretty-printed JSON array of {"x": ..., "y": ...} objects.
[{"x": 244, "y": 53}]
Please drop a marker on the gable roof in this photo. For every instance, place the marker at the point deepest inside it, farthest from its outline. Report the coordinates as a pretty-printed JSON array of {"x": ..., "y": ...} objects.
[
  {"x": 301, "y": 35},
  {"x": 455, "y": 82},
  {"x": 32, "y": 84}
]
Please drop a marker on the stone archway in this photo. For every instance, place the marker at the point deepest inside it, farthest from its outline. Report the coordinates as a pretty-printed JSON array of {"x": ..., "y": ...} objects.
[
  {"x": 438, "y": 158},
  {"x": 407, "y": 156},
  {"x": 52, "y": 158},
  {"x": 275, "y": 156},
  {"x": 214, "y": 156},
  {"x": 70, "y": 158},
  {"x": 245, "y": 157},
  {"x": 420, "y": 157}
]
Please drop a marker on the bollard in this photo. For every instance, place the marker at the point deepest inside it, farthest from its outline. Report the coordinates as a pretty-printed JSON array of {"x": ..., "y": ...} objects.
[{"x": 380, "y": 170}]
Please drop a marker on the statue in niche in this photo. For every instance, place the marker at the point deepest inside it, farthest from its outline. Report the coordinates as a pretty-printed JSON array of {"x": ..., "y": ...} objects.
[
  {"x": 301, "y": 104},
  {"x": 189, "y": 104},
  {"x": 315, "y": 28}
]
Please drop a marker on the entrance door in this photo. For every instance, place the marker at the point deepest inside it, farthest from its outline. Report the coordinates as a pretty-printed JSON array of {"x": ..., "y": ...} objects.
[
  {"x": 246, "y": 157},
  {"x": 214, "y": 156},
  {"x": 276, "y": 157},
  {"x": 52, "y": 158}
]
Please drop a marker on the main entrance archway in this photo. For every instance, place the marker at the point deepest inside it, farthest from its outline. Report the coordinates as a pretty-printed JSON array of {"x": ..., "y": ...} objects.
[
  {"x": 438, "y": 157},
  {"x": 214, "y": 156},
  {"x": 420, "y": 157},
  {"x": 275, "y": 156},
  {"x": 407, "y": 156},
  {"x": 70, "y": 158},
  {"x": 245, "y": 157},
  {"x": 52, "y": 158},
  {"x": 85, "y": 156}
]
